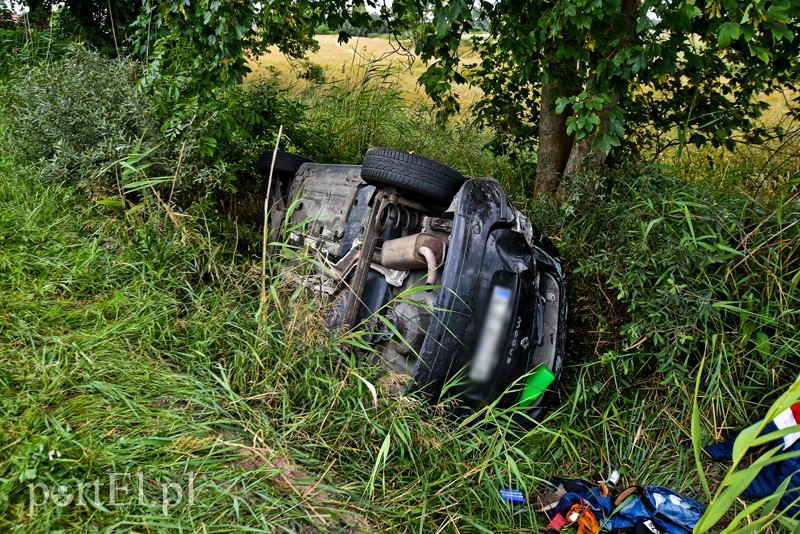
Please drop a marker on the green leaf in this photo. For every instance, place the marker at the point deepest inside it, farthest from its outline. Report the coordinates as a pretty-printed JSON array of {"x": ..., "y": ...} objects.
[
  {"x": 729, "y": 31},
  {"x": 689, "y": 11},
  {"x": 779, "y": 11},
  {"x": 454, "y": 10},
  {"x": 696, "y": 429},
  {"x": 606, "y": 142},
  {"x": 749, "y": 32},
  {"x": 637, "y": 63},
  {"x": 761, "y": 53},
  {"x": 763, "y": 344},
  {"x": 767, "y": 504},
  {"x": 380, "y": 462},
  {"x": 144, "y": 184},
  {"x": 780, "y": 31},
  {"x": 441, "y": 23},
  {"x": 571, "y": 125},
  {"x": 111, "y": 203},
  {"x": 650, "y": 226}
]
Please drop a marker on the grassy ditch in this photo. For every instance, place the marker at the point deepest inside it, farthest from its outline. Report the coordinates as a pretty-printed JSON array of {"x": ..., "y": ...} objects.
[
  {"x": 137, "y": 349},
  {"x": 133, "y": 357}
]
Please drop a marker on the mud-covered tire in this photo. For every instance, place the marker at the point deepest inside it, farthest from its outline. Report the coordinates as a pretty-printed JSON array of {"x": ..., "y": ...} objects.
[
  {"x": 412, "y": 173},
  {"x": 286, "y": 163}
]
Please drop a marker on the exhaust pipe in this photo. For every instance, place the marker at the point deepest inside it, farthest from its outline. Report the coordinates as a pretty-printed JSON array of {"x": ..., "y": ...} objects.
[{"x": 418, "y": 251}]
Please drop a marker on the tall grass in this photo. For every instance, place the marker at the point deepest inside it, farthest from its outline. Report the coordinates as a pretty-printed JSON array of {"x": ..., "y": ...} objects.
[
  {"x": 670, "y": 277},
  {"x": 141, "y": 349},
  {"x": 366, "y": 109},
  {"x": 145, "y": 350}
]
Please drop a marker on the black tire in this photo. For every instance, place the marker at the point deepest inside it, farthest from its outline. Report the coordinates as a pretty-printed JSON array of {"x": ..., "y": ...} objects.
[
  {"x": 413, "y": 173},
  {"x": 286, "y": 163}
]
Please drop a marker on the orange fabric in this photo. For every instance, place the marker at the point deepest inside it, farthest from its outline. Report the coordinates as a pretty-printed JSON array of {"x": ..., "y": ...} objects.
[{"x": 587, "y": 523}]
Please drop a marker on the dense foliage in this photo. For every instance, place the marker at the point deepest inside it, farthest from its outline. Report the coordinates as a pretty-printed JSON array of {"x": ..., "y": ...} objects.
[
  {"x": 103, "y": 23},
  {"x": 72, "y": 135},
  {"x": 576, "y": 74},
  {"x": 88, "y": 140}
]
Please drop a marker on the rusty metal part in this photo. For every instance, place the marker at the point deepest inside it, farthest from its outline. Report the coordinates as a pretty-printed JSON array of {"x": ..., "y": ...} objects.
[
  {"x": 339, "y": 270},
  {"x": 412, "y": 204},
  {"x": 417, "y": 251},
  {"x": 433, "y": 263},
  {"x": 371, "y": 235},
  {"x": 397, "y": 216}
]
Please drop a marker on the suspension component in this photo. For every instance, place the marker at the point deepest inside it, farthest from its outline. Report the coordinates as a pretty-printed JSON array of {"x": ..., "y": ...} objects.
[{"x": 397, "y": 216}]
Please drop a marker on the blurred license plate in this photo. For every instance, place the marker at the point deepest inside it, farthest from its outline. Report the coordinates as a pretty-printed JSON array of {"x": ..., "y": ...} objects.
[{"x": 494, "y": 327}]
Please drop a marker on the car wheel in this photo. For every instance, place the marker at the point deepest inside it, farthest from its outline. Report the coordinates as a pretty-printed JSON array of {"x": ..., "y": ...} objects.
[
  {"x": 286, "y": 163},
  {"x": 413, "y": 173}
]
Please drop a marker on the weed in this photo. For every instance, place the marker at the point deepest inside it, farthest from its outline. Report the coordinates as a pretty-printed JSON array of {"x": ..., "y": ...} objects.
[{"x": 147, "y": 358}]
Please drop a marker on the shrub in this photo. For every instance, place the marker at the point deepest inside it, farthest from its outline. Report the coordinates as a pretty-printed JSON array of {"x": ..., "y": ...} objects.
[
  {"x": 674, "y": 272},
  {"x": 83, "y": 115},
  {"x": 308, "y": 70},
  {"x": 79, "y": 115}
]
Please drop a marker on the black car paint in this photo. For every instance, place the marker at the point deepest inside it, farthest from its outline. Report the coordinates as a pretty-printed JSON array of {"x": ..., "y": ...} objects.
[{"x": 484, "y": 251}]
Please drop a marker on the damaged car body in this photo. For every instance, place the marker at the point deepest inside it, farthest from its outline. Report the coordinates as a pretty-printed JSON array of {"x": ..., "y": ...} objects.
[{"x": 450, "y": 283}]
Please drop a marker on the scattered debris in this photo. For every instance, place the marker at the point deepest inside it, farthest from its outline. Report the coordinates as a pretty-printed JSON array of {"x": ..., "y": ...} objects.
[
  {"x": 773, "y": 475},
  {"x": 591, "y": 507}
]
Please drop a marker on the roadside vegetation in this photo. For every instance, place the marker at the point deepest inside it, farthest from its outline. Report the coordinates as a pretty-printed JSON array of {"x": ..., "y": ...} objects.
[{"x": 135, "y": 336}]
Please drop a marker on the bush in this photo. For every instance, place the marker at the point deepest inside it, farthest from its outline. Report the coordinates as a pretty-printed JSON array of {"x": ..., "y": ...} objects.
[
  {"x": 84, "y": 115},
  {"x": 674, "y": 272},
  {"x": 306, "y": 69},
  {"x": 79, "y": 115}
]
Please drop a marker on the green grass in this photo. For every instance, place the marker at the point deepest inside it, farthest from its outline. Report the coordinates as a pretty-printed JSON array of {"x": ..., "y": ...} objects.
[{"x": 129, "y": 345}]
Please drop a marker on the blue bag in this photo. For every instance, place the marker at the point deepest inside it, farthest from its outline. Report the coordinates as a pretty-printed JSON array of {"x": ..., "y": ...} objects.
[{"x": 656, "y": 509}]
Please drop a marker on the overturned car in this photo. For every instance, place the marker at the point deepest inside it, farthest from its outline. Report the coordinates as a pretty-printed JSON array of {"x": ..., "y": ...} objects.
[{"x": 452, "y": 285}]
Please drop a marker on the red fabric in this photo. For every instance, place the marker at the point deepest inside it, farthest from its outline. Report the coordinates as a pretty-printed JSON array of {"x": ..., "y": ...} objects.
[
  {"x": 796, "y": 412},
  {"x": 557, "y": 522}
]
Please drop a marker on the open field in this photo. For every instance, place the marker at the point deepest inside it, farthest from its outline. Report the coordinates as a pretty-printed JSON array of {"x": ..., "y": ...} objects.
[{"x": 353, "y": 61}]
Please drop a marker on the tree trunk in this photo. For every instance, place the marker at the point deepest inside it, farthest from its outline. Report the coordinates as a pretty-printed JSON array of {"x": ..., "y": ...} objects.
[
  {"x": 39, "y": 14},
  {"x": 554, "y": 143},
  {"x": 584, "y": 157}
]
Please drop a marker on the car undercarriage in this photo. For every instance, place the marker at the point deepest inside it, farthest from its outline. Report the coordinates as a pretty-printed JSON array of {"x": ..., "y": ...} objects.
[{"x": 453, "y": 287}]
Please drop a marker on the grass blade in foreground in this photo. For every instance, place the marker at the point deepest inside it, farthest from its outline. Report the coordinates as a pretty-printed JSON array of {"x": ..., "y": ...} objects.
[{"x": 737, "y": 480}]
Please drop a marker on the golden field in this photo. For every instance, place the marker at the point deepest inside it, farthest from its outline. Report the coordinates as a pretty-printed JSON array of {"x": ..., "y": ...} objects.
[
  {"x": 399, "y": 69},
  {"x": 352, "y": 62}
]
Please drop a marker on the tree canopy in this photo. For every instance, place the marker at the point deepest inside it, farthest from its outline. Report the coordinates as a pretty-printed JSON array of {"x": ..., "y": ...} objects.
[
  {"x": 101, "y": 22},
  {"x": 585, "y": 76}
]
